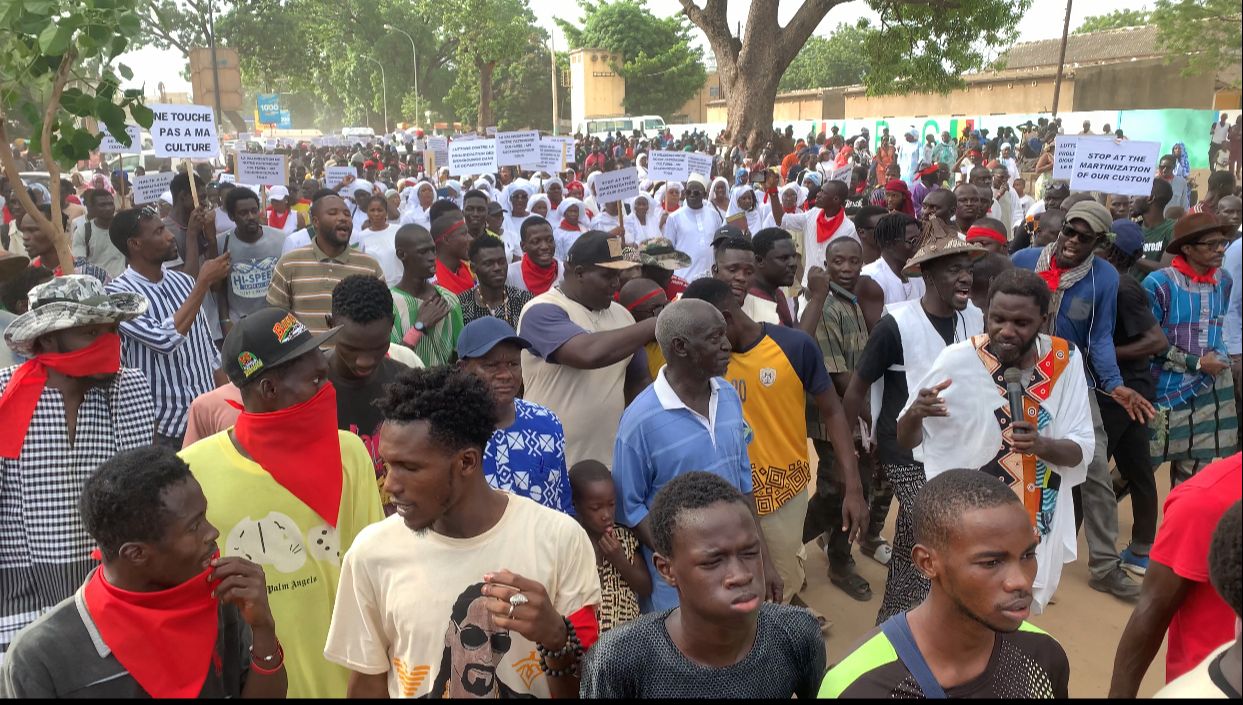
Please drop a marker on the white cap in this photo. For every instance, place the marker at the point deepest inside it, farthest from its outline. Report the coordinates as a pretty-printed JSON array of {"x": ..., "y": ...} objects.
[
  {"x": 278, "y": 193},
  {"x": 697, "y": 179}
]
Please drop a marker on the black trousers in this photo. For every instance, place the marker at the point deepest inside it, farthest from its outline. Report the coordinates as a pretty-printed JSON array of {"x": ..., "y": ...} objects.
[
  {"x": 1128, "y": 447},
  {"x": 824, "y": 511}
]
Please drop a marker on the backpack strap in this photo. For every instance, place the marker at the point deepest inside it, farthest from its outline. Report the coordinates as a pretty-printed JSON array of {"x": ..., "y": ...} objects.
[{"x": 898, "y": 631}]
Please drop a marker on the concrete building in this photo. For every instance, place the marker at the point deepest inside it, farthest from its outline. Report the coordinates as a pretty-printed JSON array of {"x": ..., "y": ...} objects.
[{"x": 596, "y": 90}]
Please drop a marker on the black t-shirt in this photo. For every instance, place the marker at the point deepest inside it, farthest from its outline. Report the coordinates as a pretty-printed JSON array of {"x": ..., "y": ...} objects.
[
  {"x": 1133, "y": 319},
  {"x": 884, "y": 350},
  {"x": 356, "y": 410}
]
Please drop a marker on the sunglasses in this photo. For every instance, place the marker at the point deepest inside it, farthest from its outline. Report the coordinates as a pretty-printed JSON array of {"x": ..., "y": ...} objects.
[
  {"x": 1086, "y": 238},
  {"x": 473, "y": 637},
  {"x": 1212, "y": 245}
]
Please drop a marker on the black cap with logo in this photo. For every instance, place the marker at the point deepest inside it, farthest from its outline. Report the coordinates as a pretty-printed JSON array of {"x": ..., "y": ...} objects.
[
  {"x": 598, "y": 248},
  {"x": 265, "y": 339}
]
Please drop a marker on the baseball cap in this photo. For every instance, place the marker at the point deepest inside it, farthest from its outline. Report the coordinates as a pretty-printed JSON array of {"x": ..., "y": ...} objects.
[
  {"x": 725, "y": 232},
  {"x": 482, "y": 334},
  {"x": 598, "y": 248},
  {"x": 265, "y": 339},
  {"x": 1128, "y": 237},
  {"x": 278, "y": 193}
]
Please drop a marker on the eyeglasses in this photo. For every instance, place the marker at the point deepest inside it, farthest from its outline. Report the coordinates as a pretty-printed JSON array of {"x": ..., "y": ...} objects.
[
  {"x": 473, "y": 637},
  {"x": 1213, "y": 245},
  {"x": 1086, "y": 238}
]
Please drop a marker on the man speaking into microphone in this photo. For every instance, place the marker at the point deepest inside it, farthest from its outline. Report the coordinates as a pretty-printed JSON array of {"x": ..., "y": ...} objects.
[{"x": 1012, "y": 403}]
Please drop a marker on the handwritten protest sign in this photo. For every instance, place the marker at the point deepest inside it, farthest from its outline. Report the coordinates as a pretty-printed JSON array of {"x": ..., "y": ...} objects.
[
  {"x": 262, "y": 169},
  {"x": 334, "y": 175},
  {"x": 617, "y": 185},
  {"x": 1125, "y": 168},
  {"x": 700, "y": 164},
  {"x": 551, "y": 157},
  {"x": 472, "y": 157},
  {"x": 517, "y": 148},
  {"x": 667, "y": 166},
  {"x": 111, "y": 145},
  {"x": 148, "y": 187},
  {"x": 184, "y": 131}
]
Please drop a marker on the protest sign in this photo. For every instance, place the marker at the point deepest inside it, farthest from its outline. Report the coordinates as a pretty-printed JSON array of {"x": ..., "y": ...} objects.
[
  {"x": 667, "y": 166},
  {"x": 472, "y": 157},
  {"x": 1064, "y": 150},
  {"x": 226, "y": 179},
  {"x": 334, "y": 175},
  {"x": 517, "y": 148},
  {"x": 184, "y": 131},
  {"x": 439, "y": 147},
  {"x": 270, "y": 143},
  {"x": 1117, "y": 167},
  {"x": 111, "y": 145},
  {"x": 149, "y": 187},
  {"x": 261, "y": 169},
  {"x": 842, "y": 174},
  {"x": 617, "y": 185},
  {"x": 551, "y": 157},
  {"x": 490, "y": 131},
  {"x": 698, "y": 163}
]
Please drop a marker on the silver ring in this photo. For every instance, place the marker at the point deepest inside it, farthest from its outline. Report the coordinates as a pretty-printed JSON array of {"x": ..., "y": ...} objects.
[
  {"x": 511, "y": 611},
  {"x": 517, "y": 600}
]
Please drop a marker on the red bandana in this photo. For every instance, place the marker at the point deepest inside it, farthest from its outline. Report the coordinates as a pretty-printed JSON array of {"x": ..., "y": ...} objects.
[
  {"x": 827, "y": 227},
  {"x": 567, "y": 225},
  {"x": 1181, "y": 266},
  {"x": 1053, "y": 275},
  {"x": 979, "y": 232},
  {"x": 277, "y": 220},
  {"x": 458, "y": 281},
  {"x": 38, "y": 262},
  {"x": 21, "y": 395},
  {"x": 538, "y": 279},
  {"x": 165, "y": 639},
  {"x": 299, "y": 447}
]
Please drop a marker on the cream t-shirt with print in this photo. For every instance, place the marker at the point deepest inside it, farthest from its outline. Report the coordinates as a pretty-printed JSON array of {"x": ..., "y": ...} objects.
[{"x": 409, "y": 605}]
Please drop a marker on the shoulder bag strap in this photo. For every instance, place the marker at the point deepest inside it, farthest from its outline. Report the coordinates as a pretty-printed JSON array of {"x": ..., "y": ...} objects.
[{"x": 899, "y": 634}]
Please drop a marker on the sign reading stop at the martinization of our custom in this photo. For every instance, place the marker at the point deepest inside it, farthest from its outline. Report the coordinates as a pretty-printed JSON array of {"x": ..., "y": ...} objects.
[
  {"x": 149, "y": 187},
  {"x": 112, "y": 145},
  {"x": 612, "y": 186},
  {"x": 476, "y": 156},
  {"x": 261, "y": 169},
  {"x": 1121, "y": 167},
  {"x": 184, "y": 131}
]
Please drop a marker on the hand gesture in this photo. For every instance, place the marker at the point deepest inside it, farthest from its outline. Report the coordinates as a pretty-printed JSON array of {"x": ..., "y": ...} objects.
[
  {"x": 1137, "y": 407},
  {"x": 215, "y": 270},
  {"x": 242, "y": 585},
  {"x": 817, "y": 283},
  {"x": 1212, "y": 364},
  {"x": 349, "y": 179},
  {"x": 929, "y": 401},
  {"x": 610, "y": 547},
  {"x": 202, "y": 225},
  {"x": 430, "y": 312},
  {"x": 537, "y": 620}
]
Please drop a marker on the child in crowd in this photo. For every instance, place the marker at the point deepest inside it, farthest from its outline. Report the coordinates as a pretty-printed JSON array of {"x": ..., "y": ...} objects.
[{"x": 623, "y": 573}]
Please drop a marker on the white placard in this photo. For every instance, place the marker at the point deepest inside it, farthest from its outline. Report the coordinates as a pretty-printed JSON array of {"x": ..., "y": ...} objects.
[
  {"x": 518, "y": 148},
  {"x": 490, "y": 131},
  {"x": 110, "y": 144},
  {"x": 262, "y": 169},
  {"x": 700, "y": 164},
  {"x": 184, "y": 131},
  {"x": 243, "y": 136},
  {"x": 149, "y": 187},
  {"x": 667, "y": 166},
  {"x": 842, "y": 174},
  {"x": 617, "y": 185},
  {"x": 551, "y": 157},
  {"x": 334, "y": 175},
  {"x": 226, "y": 179},
  {"x": 270, "y": 143},
  {"x": 476, "y": 156},
  {"x": 1125, "y": 168},
  {"x": 1064, "y": 150},
  {"x": 439, "y": 147}
]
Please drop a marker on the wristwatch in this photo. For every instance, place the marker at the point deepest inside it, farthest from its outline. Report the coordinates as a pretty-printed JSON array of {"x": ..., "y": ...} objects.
[{"x": 418, "y": 325}]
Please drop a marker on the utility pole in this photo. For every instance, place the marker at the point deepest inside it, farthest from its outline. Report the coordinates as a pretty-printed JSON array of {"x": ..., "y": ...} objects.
[
  {"x": 1061, "y": 60},
  {"x": 215, "y": 66},
  {"x": 383, "y": 89},
  {"x": 552, "y": 53},
  {"x": 414, "y": 61}
]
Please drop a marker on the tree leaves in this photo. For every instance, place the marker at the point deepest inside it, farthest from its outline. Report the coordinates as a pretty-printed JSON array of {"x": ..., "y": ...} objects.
[
  {"x": 1114, "y": 20},
  {"x": 1206, "y": 31},
  {"x": 828, "y": 61}
]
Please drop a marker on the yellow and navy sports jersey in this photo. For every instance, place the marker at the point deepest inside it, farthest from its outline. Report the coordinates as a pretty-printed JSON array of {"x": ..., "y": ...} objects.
[
  {"x": 773, "y": 377},
  {"x": 1028, "y": 663}
]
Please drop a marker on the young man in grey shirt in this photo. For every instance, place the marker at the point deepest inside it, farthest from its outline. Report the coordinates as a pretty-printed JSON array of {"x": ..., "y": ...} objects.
[{"x": 256, "y": 248}]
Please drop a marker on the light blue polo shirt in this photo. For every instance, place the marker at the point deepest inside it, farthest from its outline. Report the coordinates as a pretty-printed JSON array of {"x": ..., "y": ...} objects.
[{"x": 660, "y": 438}]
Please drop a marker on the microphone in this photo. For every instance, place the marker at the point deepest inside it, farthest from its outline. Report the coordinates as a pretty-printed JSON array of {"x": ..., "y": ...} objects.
[{"x": 1014, "y": 393}]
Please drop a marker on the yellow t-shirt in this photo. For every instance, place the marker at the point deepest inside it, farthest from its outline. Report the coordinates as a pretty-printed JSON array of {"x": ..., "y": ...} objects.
[
  {"x": 261, "y": 521},
  {"x": 410, "y": 604},
  {"x": 655, "y": 358}
]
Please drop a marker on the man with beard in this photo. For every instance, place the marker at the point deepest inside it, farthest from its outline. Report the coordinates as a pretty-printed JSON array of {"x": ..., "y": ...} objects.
[
  {"x": 900, "y": 349},
  {"x": 970, "y": 638},
  {"x": 734, "y": 264},
  {"x": 960, "y": 417},
  {"x": 691, "y": 229},
  {"x": 171, "y": 341},
  {"x": 509, "y": 608},
  {"x": 776, "y": 264},
  {"x": 253, "y": 249},
  {"x": 304, "y": 278}
]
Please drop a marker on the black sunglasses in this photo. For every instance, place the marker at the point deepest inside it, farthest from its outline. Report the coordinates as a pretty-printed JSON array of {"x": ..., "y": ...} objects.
[
  {"x": 473, "y": 637},
  {"x": 1086, "y": 238}
]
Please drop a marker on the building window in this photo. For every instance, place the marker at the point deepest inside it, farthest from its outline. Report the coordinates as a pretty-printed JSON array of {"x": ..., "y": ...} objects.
[{"x": 714, "y": 92}]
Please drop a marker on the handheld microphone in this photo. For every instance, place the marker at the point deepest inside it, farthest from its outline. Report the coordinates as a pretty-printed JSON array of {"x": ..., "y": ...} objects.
[{"x": 1014, "y": 393}]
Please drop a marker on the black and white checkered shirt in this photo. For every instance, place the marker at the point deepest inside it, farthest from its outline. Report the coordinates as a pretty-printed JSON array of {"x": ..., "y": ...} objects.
[
  {"x": 44, "y": 550},
  {"x": 179, "y": 367}
]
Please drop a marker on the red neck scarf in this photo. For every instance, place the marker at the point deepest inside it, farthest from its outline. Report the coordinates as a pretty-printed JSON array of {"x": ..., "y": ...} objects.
[
  {"x": 277, "y": 220},
  {"x": 38, "y": 262},
  {"x": 1181, "y": 265},
  {"x": 1053, "y": 275},
  {"x": 21, "y": 395},
  {"x": 299, "y": 447},
  {"x": 538, "y": 279},
  {"x": 458, "y": 281},
  {"x": 567, "y": 225},
  {"x": 827, "y": 227},
  {"x": 165, "y": 639}
]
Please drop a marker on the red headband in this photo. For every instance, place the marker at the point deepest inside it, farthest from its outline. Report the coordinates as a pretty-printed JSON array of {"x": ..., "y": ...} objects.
[
  {"x": 633, "y": 304},
  {"x": 979, "y": 231},
  {"x": 932, "y": 169},
  {"x": 452, "y": 229},
  {"x": 896, "y": 185}
]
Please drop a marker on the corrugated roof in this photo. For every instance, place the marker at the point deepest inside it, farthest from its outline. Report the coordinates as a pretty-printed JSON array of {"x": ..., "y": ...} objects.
[{"x": 1091, "y": 48}]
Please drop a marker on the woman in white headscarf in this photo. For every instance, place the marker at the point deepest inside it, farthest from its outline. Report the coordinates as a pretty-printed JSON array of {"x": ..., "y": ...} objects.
[
  {"x": 538, "y": 205},
  {"x": 669, "y": 198},
  {"x": 571, "y": 215},
  {"x": 719, "y": 196},
  {"x": 514, "y": 199},
  {"x": 555, "y": 190},
  {"x": 742, "y": 200},
  {"x": 640, "y": 165},
  {"x": 421, "y": 197},
  {"x": 455, "y": 191},
  {"x": 589, "y": 198},
  {"x": 791, "y": 197},
  {"x": 643, "y": 224}
]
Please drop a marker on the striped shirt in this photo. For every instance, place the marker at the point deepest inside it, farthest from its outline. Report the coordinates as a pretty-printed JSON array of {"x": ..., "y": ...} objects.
[
  {"x": 304, "y": 279},
  {"x": 179, "y": 367},
  {"x": 44, "y": 549}
]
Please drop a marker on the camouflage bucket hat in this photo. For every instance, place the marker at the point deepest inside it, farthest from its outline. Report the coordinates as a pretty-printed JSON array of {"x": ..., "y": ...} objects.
[
  {"x": 69, "y": 302},
  {"x": 660, "y": 252}
]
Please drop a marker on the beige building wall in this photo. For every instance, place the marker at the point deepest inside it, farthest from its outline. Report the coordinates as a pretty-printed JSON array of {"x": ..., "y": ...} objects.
[
  {"x": 696, "y": 109},
  {"x": 986, "y": 94},
  {"x": 596, "y": 90}
]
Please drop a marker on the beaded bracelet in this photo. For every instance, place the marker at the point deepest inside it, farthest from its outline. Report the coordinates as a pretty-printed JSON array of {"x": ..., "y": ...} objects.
[
  {"x": 572, "y": 645},
  {"x": 263, "y": 670}
]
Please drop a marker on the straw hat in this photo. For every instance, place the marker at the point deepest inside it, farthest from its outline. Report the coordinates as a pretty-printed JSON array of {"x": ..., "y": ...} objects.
[{"x": 938, "y": 242}]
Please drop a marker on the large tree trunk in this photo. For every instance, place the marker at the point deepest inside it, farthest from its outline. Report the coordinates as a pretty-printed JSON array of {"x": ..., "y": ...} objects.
[
  {"x": 750, "y": 67},
  {"x": 485, "y": 94}
]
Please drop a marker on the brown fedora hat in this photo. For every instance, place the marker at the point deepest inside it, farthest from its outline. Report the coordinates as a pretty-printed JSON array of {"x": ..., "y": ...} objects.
[{"x": 1192, "y": 227}]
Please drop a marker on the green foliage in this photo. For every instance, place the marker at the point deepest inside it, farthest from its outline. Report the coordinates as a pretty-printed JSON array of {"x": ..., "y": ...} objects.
[
  {"x": 1206, "y": 30},
  {"x": 44, "y": 49},
  {"x": 661, "y": 67},
  {"x": 1114, "y": 20},
  {"x": 828, "y": 61}
]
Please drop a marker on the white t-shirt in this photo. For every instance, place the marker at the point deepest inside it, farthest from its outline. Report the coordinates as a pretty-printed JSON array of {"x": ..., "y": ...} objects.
[
  {"x": 381, "y": 244},
  {"x": 409, "y": 604},
  {"x": 1221, "y": 133}
]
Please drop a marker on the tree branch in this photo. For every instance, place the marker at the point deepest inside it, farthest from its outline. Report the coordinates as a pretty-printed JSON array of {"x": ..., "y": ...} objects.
[
  {"x": 801, "y": 27},
  {"x": 59, "y": 237}
]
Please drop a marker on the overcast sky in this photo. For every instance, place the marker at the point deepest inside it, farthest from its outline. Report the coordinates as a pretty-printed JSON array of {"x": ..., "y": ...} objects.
[{"x": 1043, "y": 21}]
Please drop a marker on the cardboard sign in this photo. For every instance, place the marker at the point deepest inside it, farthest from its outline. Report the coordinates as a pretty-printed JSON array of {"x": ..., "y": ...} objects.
[
  {"x": 149, "y": 187},
  {"x": 111, "y": 145},
  {"x": 700, "y": 164},
  {"x": 184, "y": 131},
  {"x": 551, "y": 157},
  {"x": 617, "y": 185},
  {"x": 334, "y": 175},
  {"x": 262, "y": 169},
  {"x": 439, "y": 147},
  {"x": 472, "y": 157},
  {"x": 1116, "y": 167},
  {"x": 517, "y": 148},
  {"x": 667, "y": 166}
]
